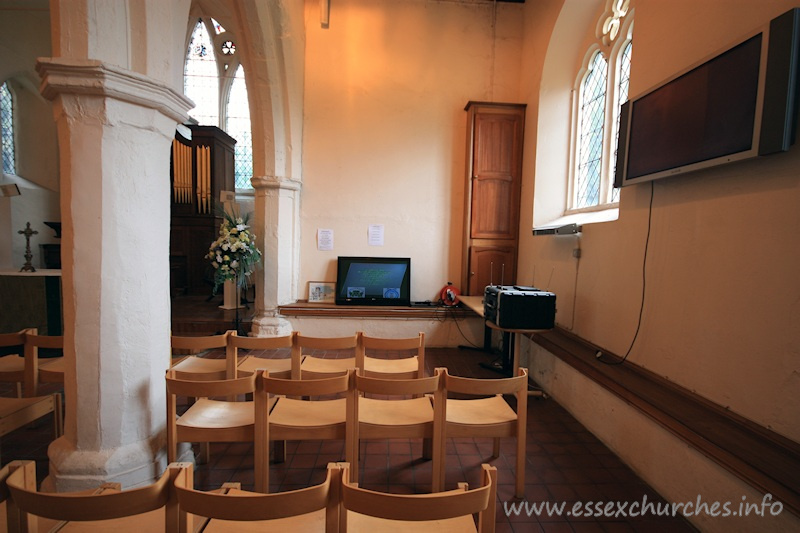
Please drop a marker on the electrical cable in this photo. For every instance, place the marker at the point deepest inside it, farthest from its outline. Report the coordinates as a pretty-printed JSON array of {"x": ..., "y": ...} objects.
[{"x": 599, "y": 354}]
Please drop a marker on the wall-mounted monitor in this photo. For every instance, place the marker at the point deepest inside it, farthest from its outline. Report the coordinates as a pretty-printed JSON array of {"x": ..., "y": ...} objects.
[
  {"x": 736, "y": 105},
  {"x": 373, "y": 281}
]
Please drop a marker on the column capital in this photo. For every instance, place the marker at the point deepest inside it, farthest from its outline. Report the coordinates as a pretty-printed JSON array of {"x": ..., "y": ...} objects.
[
  {"x": 276, "y": 182},
  {"x": 89, "y": 77}
]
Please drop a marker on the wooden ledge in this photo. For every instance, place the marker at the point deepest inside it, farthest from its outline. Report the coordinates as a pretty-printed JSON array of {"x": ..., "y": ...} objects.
[
  {"x": 763, "y": 458},
  {"x": 313, "y": 309}
]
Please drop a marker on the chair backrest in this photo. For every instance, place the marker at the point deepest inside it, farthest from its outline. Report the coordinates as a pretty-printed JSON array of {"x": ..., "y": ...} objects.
[
  {"x": 14, "y": 365},
  {"x": 199, "y": 343},
  {"x": 304, "y": 342},
  {"x": 104, "y": 503},
  {"x": 384, "y": 344},
  {"x": 236, "y": 342},
  {"x": 207, "y": 389},
  {"x": 486, "y": 387},
  {"x": 33, "y": 342},
  {"x": 239, "y": 505},
  {"x": 423, "y": 507},
  {"x": 395, "y": 387}
]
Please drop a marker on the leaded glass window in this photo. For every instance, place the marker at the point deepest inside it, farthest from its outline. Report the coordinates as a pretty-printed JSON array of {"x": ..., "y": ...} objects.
[
  {"x": 622, "y": 97},
  {"x": 592, "y": 121},
  {"x": 200, "y": 78},
  {"x": 7, "y": 128},
  {"x": 238, "y": 127}
]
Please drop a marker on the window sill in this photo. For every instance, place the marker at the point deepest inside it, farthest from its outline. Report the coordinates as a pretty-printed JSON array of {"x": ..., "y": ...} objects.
[{"x": 562, "y": 225}]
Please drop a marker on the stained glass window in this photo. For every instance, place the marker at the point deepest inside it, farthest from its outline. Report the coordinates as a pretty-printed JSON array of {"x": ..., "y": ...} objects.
[
  {"x": 200, "y": 78},
  {"x": 590, "y": 137},
  {"x": 238, "y": 127},
  {"x": 7, "y": 128}
]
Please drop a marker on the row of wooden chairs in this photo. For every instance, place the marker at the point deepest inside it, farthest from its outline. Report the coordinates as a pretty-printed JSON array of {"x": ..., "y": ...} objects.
[
  {"x": 351, "y": 407},
  {"x": 172, "y": 505},
  {"x": 28, "y": 370},
  {"x": 302, "y": 362}
]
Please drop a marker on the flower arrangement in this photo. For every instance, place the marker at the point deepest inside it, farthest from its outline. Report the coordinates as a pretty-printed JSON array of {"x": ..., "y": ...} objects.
[{"x": 234, "y": 254}]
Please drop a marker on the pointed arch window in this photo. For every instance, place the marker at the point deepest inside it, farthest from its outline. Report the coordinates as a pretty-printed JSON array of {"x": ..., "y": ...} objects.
[
  {"x": 7, "y": 129},
  {"x": 215, "y": 80},
  {"x": 601, "y": 90}
]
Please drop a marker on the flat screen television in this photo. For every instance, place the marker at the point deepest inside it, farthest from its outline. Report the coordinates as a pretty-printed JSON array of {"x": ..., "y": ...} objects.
[
  {"x": 373, "y": 281},
  {"x": 740, "y": 103}
]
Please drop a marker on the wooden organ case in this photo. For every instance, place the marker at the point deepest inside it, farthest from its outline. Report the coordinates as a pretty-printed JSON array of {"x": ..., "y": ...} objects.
[{"x": 201, "y": 168}]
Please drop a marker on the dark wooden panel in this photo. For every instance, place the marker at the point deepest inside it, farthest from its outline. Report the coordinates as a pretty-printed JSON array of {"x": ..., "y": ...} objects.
[{"x": 492, "y": 264}]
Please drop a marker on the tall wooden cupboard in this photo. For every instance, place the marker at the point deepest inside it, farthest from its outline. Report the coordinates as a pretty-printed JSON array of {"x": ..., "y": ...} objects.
[{"x": 494, "y": 177}]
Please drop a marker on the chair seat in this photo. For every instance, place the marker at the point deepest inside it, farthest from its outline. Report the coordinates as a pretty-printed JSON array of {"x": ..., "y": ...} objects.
[
  {"x": 193, "y": 364},
  {"x": 16, "y": 412},
  {"x": 51, "y": 370},
  {"x": 391, "y": 366},
  {"x": 12, "y": 363},
  {"x": 308, "y": 414},
  {"x": 362, "y": 523},
  {"x": 277, "y": 367},
  {"x": 482, "y": 411},
  {"x": 327, "y": 366},
  {"x": 409, "y": 412},
  {"x": 205, "y": 413}
]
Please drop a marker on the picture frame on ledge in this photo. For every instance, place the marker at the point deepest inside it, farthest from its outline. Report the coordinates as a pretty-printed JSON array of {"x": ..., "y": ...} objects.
[{"x": 321, "y": 291}]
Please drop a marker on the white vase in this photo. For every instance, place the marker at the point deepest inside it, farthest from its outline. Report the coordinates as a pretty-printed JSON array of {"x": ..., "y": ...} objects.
[{"x": 230, "y": 296}]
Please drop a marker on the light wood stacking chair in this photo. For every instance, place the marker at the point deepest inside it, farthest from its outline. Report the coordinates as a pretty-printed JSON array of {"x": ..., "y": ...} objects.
[
  {"x": 441, "y": 512},
  {"x": 488, "y": 416},
  {"x": 12, "y": 366},
  {"x": 150, "y": 508},
  {"x": 411, "y": 364},
  {"x": 397, "y": 409},
  {"x": 18, "y": 412},
  {"x": 309, "y": 510},
  {"x": 277, "y": 367},
  {"x": 43, "y": 370},
  {"x": 322, "y": 416},
  {"x": 209, "y": 419},
  {"x": 307, "y": 365},
  {"x": 191, "y": 364}
]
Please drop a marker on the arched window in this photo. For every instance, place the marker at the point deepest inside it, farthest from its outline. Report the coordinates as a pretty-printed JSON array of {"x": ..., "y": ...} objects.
[
  {"x": 602, "y": 89},
  {"x": 215, "y": 80},
  {"x": 7, "y": 129}
]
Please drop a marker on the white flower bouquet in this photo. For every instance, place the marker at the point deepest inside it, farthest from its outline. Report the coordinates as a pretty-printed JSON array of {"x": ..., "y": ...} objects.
[{"x": 234, "y": 254}]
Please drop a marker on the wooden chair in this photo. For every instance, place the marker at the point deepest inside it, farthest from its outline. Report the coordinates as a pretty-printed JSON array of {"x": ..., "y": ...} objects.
[
  {"x": 44, "y": 370},
  {"x": 489, "y": 416},
  {"x": 407, "y": 367},
  {"x": 309, "y": 510},
  {"x": 150, "y": 508},
  {"x": 412, "y": 416},
  {"x": 196, "y": 367},
  {"x": 442, "y": 512},
  {"x": 18, "y": 412},
  {"x": 207, "y": 419},
  {"x": 300, "y": 419},
  {"x": 277, "y": 367},
  {"x": 305, "y": 365},
  {"x": 12, "y": 366}
]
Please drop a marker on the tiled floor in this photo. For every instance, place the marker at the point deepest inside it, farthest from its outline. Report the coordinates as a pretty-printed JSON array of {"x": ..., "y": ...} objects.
[{"x": 565, "y": 463}]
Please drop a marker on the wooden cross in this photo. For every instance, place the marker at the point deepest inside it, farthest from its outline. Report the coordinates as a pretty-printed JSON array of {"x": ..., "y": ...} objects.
[{"x": 28, "y": 267}]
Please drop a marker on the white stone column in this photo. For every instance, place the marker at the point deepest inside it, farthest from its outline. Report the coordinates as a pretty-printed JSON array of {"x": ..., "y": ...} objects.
[
  {"x": 277, "y": 229},
  {"x": 115, "y": 128}
]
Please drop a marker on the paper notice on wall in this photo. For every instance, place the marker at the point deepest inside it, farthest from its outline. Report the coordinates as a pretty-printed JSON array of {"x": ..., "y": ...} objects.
[
  {"x": 375, "y": 234},
  {"x": 324, "y": 239}
]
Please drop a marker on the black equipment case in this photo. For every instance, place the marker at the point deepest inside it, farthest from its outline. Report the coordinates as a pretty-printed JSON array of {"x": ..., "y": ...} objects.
[{"x": 518, "y": 307}]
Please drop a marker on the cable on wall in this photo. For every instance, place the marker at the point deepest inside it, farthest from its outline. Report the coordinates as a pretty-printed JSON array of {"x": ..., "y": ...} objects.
[{"x": 644, "y": 286}]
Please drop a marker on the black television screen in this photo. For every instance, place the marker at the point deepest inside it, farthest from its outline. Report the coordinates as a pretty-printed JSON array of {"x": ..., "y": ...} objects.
[
  {"x": 373, "y": 281},
  {"x": 739, "y": 104}
]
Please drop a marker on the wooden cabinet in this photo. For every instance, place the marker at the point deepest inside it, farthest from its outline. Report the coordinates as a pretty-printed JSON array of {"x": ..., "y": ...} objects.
[
  {"x": 494, "y": 177},
  {"x": 202, "y": 167}
]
